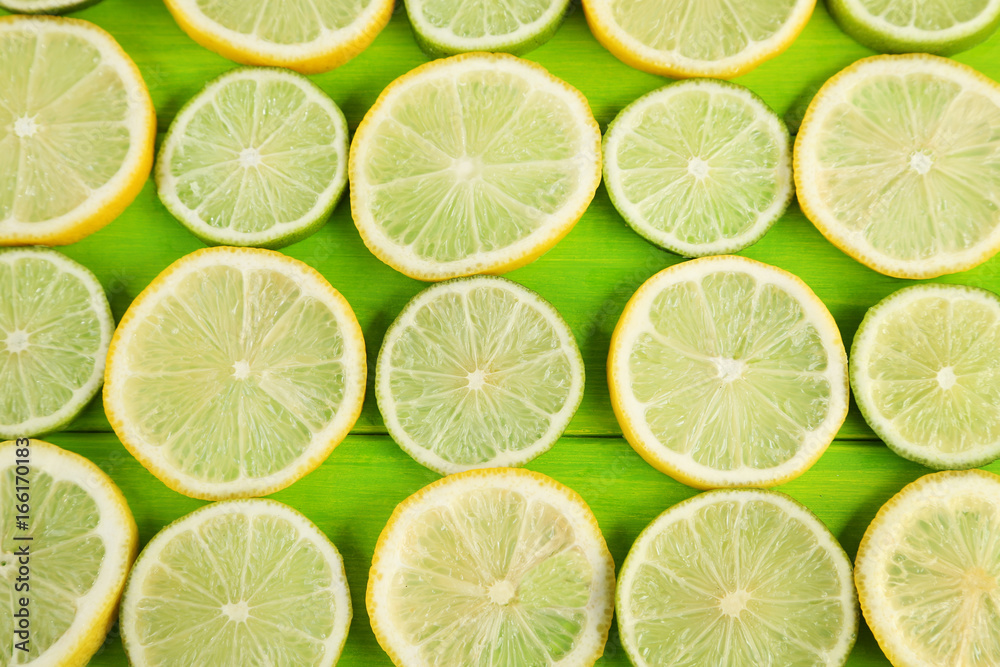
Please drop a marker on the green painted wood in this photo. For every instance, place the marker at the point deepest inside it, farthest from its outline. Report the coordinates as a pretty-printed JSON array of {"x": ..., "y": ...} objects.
[{"x": 589, "y": 276}]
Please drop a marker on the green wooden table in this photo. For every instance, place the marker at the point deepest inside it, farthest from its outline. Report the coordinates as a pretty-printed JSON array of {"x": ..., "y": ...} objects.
[{"x": 589, "y": 276}]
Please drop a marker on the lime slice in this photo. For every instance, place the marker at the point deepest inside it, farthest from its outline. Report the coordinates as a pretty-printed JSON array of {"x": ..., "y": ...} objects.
[
  {"x": 241, "y": 582},
  {"x": 473, "y": 164},
  {"x": 45, "y": 6},
  {"x": 76, "y": 130},
  {"x": 477, "y": 373},
  {"x": 309, "y": 36},
  {"x": 447, "y": 27},
  {"x": 689, "y": 38},
  {"x": 903, "y": 26},
  {"x": 55, "y": 326},
  {"x": 235, "y": 373},
  {"x": 258, "y": 158},
  {"x": 895, "y": 164},
  {"x": 81, "y": 541},
  {"x": 700, "y": 167},
  {"x": 737, "y": 577},
  {"x": 492, "y": 567},
  {"x": 925, "y": 369},
  {"x": 928, "y": 571},
  {"x": 727, "y": 372}
]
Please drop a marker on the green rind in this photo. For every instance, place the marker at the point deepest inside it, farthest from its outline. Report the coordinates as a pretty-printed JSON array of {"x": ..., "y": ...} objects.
[
  {"x": 639, "y": 228},
  {"x": 63, "y": 8},
  {"x": 883, "y": 42},
  {"x": 631, "y": 650},
  {"x": 306, "y": 229},
  {"x": 104, "y": 314},
  {"x": 380, "y": 365},
  {"x": 436, "y": 49},
  {"x": 867, "y": 411},
  {"x": 127, "y": 641}
]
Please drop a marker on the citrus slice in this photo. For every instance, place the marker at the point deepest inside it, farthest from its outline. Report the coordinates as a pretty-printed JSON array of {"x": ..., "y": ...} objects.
[
  {"x": 76, "y": 130},
  {"x": 501, "y": 567},
  {"x": 235, "y": 373},
  {"x": 928, "y": 571},
  {"x": 308, "y": 36},
  {"x": 727, "y": 372},
  {"x": 688, "y": 38},
  {"x": 241, "y": 582},
  {"x": 477, "y": 373},
  {"x": 478, "y": 163},
  {"x": 925, "y": 369},
  {"x": 699, "y": 167},
  {"x": 895, "y": 163},
  {"x": 45, "y": 6},
  {"x": 447, "y": 27},
  {"x": 905, "y": 26},
  {"x": 81, "y": 540},
  {"x": 55, "y": 326},
  {"x": 737, "y": 577},
  {"x": 258, "y": 158}
]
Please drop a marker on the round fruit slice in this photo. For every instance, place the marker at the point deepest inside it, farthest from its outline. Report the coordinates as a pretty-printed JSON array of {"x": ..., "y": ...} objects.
[
  {"x": 928, "y": 571},
  {"x": 241, "y": 582},
  {"x": 700, "y": 167},
  {"x": 477, "y": 373},
  {"x": 235, "y": 373},
  {"x": 925, "y": 368},
  {"x": 308, "y": 36},
  {"x": 80, "y": 539},
  {"x": 896, "y": 161},
  {"x": 727, "y": 372},
  {"x": 45, "y": 6},
  {"x": 258, "y": 158},
  {"x": 76, "y": 130},
  {"x": 447, "y": 27},
  {"x": 55, "y": 326},
  {"x": 905, "y": 26},
  {"x": 687, "y": 38},
  {"x": 473, "y": 164},
  {"x": 737, "y": 577},
  {"x": 500, "y": 567}
]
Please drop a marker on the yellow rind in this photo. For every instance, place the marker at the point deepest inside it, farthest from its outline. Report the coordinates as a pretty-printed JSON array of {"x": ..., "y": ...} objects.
[
  {"x": 514, "y": 262},
  {"x": 810, "y": 209},
  {"x": 75, "y": 230},
  {"x": 79, "y": 654},
  {"x": 303, "y": 467},
  {"x": 569, "y": 494},
  {"x": 321, "y": 60},
  {"x": 647, "y": 450}
]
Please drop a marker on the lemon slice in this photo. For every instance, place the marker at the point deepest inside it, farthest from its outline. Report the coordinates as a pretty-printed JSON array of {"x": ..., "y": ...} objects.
[
  {"x": 235, "y": 373},
  {"x": 76, "y": 130},
  {"x": 258, "y": 158},
  {"x": 447, "y": 27},
  {"x": 928, "y": 571},
  {"x": 477, "y": 373},
  {"x": 737, "y": 577},
  {"x": 55, "y": 327},
  {"x": 905, "y": 26},
  {"x": 727, "y": 372},
  {"x": 501, "y": 567},
  {"x": 895, "y": 163},
  {"x": 82, "y": 541},
  {"x": 241, "y": 582},
  {"x": 689, "y": 38},
  {"x": 45, "y": 6},
  {"x": 308, "y": 36},
  {"x": 925, "y": 369},
  {"x": 699, "y": 167},
  {"x": 473, "y": 164}
]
